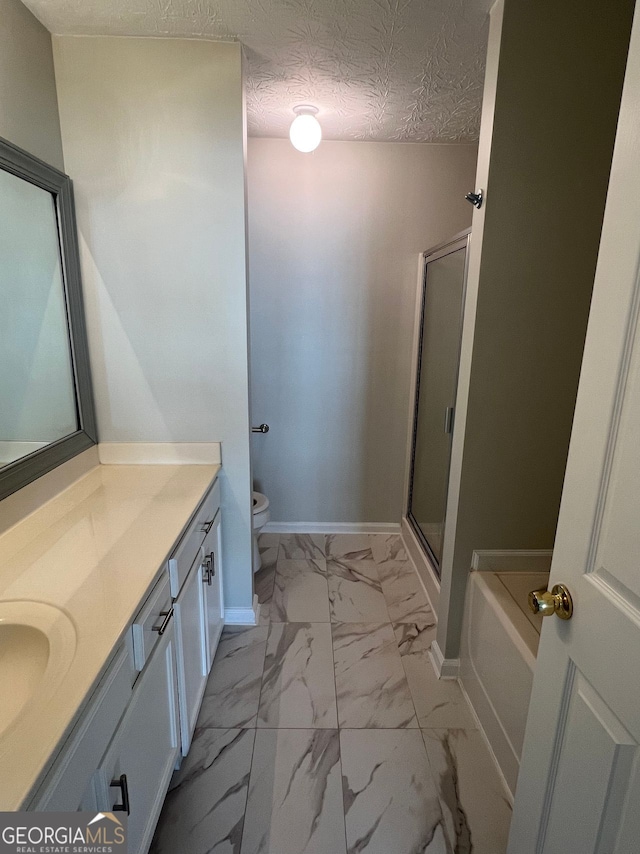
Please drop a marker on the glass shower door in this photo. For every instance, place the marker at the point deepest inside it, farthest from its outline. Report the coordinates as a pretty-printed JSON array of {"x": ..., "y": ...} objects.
[{"x": 438, "y": 359}]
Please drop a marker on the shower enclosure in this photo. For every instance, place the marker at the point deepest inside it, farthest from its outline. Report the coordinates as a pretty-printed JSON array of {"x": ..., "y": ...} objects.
[{"x": 443, "y": 289}]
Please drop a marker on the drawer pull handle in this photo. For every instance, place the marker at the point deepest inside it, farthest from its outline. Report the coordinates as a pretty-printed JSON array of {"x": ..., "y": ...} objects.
[
  {"x": 206, "y": 527},
  {"x": 161, "y": 629},
  {"x": 209, "y": 568},
  {"x": 123, "y": 785}
]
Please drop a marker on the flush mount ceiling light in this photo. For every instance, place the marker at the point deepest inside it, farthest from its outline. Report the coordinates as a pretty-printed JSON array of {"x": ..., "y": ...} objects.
[{"x": 305, "y": 132}]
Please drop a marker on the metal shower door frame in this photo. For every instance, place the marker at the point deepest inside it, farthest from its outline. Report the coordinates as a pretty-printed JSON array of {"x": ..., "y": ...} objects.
[{"x": 461, "y": 240}]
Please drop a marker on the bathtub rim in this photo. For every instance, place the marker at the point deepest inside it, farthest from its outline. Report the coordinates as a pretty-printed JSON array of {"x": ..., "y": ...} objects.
[{"x": 515, "y": 623}]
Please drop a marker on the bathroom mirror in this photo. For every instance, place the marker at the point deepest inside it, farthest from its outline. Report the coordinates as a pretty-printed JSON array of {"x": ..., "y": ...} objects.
[{"x": 46, "y": 401}]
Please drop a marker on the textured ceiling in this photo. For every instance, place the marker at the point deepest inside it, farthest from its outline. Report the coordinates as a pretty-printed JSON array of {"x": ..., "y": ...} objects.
[{"x": 408, "y": 70}]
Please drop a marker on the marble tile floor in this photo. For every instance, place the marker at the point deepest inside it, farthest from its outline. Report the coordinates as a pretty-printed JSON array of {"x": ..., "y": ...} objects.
[{"x": 324, "y": 729}]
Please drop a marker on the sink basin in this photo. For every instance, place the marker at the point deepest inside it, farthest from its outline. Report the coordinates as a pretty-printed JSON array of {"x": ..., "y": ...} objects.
[{"x": 37, "y": 645}]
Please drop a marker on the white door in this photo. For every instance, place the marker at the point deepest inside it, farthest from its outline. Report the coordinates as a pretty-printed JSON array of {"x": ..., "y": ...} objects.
[
  {"x": 214, "y": 605},
  {"x": 579, "y": 785},
  {"x": 192, "y": 655}
]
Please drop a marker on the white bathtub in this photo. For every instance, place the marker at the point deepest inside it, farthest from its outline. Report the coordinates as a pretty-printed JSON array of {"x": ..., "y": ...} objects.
[{"x": 498, "y": 654}]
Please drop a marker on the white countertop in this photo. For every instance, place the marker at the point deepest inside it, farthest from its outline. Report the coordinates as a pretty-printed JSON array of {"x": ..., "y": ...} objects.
[{"x": 94, "y": 552}]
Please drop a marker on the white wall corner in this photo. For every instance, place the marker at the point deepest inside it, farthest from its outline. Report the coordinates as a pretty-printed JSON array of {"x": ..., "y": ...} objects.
[
  {"x": 160, "y": 453},
  {"x": 445, "y": 668},
  {"x": 243, "y": 616}
]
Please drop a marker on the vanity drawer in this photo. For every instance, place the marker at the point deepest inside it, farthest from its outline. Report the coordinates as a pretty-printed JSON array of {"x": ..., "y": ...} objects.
[
  {"x": 189, "y": 550},
  {"x": 151, "y": 622}
]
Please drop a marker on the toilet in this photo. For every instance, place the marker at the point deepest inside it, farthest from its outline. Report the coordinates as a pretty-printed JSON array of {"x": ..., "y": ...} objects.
[{"x": 261, "y": 515}]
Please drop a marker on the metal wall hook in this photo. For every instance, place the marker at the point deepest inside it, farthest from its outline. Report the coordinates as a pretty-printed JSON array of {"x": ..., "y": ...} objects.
[
  {"x": 476, "y": 199},
  {"x": 263, "y": 428}
]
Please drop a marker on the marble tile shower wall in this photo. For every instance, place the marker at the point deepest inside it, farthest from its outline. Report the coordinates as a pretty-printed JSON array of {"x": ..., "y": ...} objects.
[{"x": 324, "y": 730}]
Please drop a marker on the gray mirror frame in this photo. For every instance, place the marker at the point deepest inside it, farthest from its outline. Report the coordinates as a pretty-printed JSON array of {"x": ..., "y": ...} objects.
[{"x": 27, "y": 469}]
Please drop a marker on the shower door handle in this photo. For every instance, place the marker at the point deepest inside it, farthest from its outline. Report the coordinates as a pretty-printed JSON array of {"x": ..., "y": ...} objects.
[{"x": 448, "y": 419}]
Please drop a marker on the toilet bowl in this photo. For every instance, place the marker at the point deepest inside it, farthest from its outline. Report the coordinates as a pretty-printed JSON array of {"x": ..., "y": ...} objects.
[{"x": 261, "y": 515}]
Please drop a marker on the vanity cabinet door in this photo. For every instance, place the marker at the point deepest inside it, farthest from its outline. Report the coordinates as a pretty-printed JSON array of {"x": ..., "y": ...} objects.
[
  {"x": 212, "y": 574},
  {"x": 139, "y": 763},
  {"x": 191, "y": 643},
  {"x": 70, "y": 784}
]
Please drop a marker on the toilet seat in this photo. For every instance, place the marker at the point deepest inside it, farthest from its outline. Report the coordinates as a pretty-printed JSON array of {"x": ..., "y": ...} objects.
[
  {"x": 261, "y": 512},
  {"x": 261, "y": 516},
  {"x": 260, "y": 503}
]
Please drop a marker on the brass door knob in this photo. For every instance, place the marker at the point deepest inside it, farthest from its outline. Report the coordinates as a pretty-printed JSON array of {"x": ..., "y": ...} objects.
[{"x": 546, "y": 603}]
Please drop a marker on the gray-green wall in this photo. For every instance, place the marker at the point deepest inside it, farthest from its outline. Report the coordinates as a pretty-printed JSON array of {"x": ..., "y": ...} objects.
[
  {"x": 558, "y": 91},
  {"x": 28, "y": 101}
]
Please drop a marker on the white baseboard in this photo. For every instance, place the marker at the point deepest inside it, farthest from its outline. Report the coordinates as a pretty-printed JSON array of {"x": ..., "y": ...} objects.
[
  {"x": 332, "y": 528},
  {"x": 426, "y": 572},
  {"x": 446, "y": 668},
  {"x": 514, "y": 560},
  {"x": 160, "y": 453},
  {"x": 243, "y": 616}
]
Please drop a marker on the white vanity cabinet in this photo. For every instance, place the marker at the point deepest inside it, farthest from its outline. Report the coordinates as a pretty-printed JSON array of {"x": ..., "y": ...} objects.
[
  {"x": 70, "y": 784},
  {"x": 194, "y": 580},
  {"x": 199, "y": 621},
  {"x": 141, "y": 717},
  {"x": 134, "y": 775},
  {"x": 199, "y": 611},
  {"x": 189, "y": 547}
]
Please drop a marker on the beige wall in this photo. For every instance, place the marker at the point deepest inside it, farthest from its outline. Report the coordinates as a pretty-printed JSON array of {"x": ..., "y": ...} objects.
[
  {"x": 532, "y": 271},
  {"x": 334, "y": 244},
  {"x": 153, "y": 134},
  {"x": 28, "y": 102}
]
